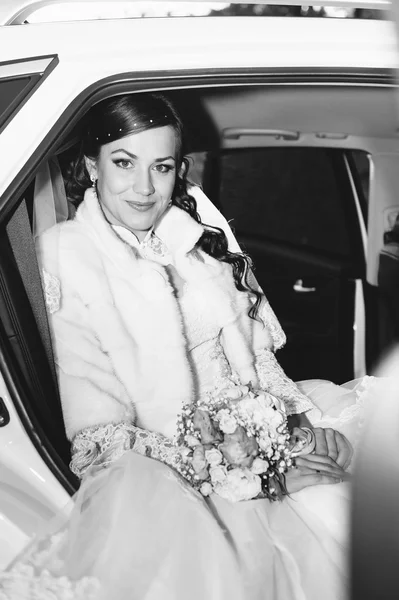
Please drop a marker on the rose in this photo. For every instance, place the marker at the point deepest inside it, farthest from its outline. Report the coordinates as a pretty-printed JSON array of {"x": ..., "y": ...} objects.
[
  {"x": 265, "y": 443},
  {"x": 202, "y": 475},
  {"x": 240, "y": 484},
  {"x": 249, "y": 410},
  {"x": 206, "y": 489},
  {"x": 259, "y": 410},
  {"x": 259, "y": 466},
  {"x": 274, "y": 418},
  {"x": 203, "y": 423},
  {"x": 265, "y": 400},
  {"x": 191, "y": 440},
  {"x": 238, "y": 448},
  {"x": 198, "y": 460},
  {"x": 218, "y": 474},
  {"x": 213, "y": 457},
  {"x": 227, "y": 422}
]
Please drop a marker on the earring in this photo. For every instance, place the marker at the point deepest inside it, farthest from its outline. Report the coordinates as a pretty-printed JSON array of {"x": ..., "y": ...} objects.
[{"x": 93, "y": 180}]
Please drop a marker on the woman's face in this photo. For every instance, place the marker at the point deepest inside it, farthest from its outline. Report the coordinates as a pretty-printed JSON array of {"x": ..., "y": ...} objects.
[{"x": 135, "y": 178}]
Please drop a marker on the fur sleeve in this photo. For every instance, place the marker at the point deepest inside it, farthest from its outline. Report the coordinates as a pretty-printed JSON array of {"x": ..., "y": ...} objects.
[{"x": 91, "y": 394}]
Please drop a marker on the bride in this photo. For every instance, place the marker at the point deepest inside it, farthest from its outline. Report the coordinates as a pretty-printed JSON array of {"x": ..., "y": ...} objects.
[{"x": 151, "y": 310}]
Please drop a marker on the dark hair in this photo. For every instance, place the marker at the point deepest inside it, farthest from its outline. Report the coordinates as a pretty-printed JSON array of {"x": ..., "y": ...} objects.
[{"x": 119, "y": 116}]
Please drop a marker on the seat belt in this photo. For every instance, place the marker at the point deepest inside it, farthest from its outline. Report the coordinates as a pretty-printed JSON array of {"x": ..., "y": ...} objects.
[{"x": 23, "y": 248}]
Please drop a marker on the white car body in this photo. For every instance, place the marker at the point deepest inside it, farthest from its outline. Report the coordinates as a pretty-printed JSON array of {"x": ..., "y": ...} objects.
[{"x": 91, "y": 51}]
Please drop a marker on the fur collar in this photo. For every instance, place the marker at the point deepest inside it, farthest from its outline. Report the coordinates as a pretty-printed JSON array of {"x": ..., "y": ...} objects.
[{"x": 176, "y": 229}]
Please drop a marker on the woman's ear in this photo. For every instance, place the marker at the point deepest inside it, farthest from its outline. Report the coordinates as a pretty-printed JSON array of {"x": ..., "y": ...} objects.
[{"x": 91, "y": 167}]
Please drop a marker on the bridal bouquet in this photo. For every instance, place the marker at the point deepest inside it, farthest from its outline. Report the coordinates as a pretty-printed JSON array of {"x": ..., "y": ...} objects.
[{"x": 236, "y": 444}]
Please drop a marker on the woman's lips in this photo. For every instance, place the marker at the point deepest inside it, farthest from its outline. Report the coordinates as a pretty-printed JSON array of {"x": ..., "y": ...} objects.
[{"x": 141, "y": 206}]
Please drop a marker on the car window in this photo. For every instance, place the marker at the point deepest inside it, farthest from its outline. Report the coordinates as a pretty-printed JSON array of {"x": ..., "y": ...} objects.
[
  {"x": 12, "y": 92},
  {"x": 18, "y": 80},
  {"x": 288, "y": 195}
]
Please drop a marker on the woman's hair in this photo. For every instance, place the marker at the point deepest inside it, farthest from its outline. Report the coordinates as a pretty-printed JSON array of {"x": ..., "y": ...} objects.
[{"x": 119, "y": 116}]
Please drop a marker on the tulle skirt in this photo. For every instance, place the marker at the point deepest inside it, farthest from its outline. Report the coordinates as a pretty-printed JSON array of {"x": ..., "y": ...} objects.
[{"x": 138, "y": 531}]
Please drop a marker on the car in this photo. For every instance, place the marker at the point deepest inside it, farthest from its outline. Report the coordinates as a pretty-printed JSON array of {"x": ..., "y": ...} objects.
[{"x": 293, "y": 133}]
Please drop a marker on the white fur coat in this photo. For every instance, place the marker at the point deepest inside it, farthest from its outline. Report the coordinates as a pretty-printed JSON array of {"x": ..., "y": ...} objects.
[{"x": 118, "y": 336}]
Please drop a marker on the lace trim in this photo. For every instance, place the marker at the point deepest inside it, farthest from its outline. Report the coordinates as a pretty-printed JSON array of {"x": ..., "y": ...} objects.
[
  {"x": 154, "y": 445},
  {"x": 273, "y": 380},
  {"x": 266, "y": 313},
  {"x": 104, "y": 444},
  {"x": 23, "y": 583},
  {"x": 52, "y": 291},
  {"x": 28, "y": 579},
  {"x": 155, "y": 245},
  {"x": 224, "y": 376}
]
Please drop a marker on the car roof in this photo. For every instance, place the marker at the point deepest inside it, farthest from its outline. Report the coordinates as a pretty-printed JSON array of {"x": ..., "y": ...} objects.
[
  {"x": 172, "y": 44},
  {"x": 17, "y": 11}
]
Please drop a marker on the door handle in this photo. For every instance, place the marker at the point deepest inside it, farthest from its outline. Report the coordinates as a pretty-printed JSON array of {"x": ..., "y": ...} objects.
[{"x": 299, "y": 287}]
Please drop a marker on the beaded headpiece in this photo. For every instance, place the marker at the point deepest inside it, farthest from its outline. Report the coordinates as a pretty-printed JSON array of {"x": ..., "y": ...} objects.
[{"x": 108, "y": 136}]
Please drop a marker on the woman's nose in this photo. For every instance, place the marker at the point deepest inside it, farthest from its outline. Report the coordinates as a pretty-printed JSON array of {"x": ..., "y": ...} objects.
[{"x": 143, "y": 183}]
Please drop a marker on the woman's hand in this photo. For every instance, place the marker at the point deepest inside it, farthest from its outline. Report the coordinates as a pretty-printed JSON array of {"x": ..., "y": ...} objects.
[
  {"x": 313, "y": 469},
  {"x": 330, "y": 442}
]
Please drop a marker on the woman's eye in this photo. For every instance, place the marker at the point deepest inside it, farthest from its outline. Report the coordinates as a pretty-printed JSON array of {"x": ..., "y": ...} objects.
[
  {"x": 123, "y": 163},
  {"x": 163, "y": 168}
]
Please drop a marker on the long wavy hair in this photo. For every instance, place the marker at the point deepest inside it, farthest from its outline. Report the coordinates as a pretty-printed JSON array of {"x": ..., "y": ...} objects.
[{"x": 119, "y": 116}]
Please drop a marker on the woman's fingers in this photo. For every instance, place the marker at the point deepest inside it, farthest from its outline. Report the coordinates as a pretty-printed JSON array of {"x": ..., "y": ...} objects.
[
  {"x": 296, "y": 479},
  {"x": 332, "y": 448},
  {"x": 325, "y": 442},
  {"x": 334, "y": 444},
  {"x": 341, "y": 476},
  {"x": 345, "y": 450},
  {"x": 321, "y": 442},
  {"x": 318, "y": 463}
]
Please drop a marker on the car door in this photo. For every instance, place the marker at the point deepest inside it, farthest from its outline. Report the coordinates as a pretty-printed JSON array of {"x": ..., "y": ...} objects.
[
  {"x": 294, "y": 213},
  {"x": 29, "y": 492}
]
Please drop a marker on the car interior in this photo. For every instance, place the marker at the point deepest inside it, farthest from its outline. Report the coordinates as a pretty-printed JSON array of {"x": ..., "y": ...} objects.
[{"x": 290, "y": 166}]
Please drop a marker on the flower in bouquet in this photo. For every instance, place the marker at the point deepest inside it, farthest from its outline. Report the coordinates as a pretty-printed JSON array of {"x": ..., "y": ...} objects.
[
  {"x": 214, "y": 457},
  {"x": 259, "y": 466},
  {"x": 239, "y": 484},
  {"x": 235, "y": 444},
  {"x": 199, "y": 462},
  {"x": 218, "y": 474},
  {"x": 239, "y": 448}
]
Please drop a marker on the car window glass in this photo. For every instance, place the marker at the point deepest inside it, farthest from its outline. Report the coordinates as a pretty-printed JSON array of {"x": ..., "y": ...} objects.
[
  {"x": 361, "y": 164},
  {"x": 11, "y": 92},
  {"x": 288, "y": 195}
]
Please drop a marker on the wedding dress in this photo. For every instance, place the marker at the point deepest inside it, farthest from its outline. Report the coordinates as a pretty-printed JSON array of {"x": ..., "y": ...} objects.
[{"x": 139, "y": 531}]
